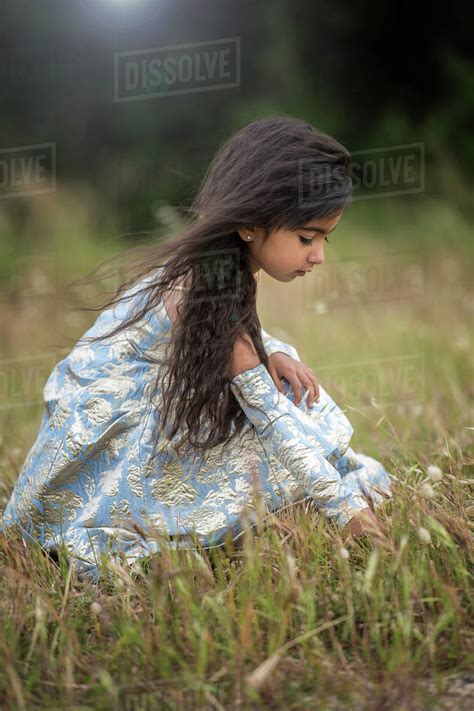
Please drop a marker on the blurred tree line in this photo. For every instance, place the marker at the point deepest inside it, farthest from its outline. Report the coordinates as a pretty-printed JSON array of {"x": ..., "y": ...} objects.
[{"x": 372, "y": 74}]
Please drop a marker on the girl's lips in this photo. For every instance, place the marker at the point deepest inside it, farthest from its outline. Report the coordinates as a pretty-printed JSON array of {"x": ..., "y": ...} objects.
[{"x": 300, "y": 273}]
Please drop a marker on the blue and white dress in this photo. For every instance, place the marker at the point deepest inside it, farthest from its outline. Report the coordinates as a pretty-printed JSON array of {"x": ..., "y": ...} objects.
[{"x": 89, "y": 477}]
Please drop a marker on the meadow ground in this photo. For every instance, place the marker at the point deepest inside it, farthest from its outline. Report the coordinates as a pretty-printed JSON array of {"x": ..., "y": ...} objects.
[{"x": 295, "y": 617}]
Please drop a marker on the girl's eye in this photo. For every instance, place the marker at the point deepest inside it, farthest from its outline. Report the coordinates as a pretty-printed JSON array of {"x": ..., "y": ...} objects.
[{"x": 309, "y": 242}]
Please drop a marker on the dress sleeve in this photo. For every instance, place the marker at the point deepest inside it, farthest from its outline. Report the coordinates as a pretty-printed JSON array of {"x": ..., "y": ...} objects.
[
  {"x": 304, "y": 445},
  {"x": 273, "y": 345}
]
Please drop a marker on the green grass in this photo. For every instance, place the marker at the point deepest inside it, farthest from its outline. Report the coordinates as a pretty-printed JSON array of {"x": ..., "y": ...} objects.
[{"x": 294, "y": 617}]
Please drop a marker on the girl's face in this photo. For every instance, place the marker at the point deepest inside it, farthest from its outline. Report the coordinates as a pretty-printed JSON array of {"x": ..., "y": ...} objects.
[{"x": 285, "y": 252}]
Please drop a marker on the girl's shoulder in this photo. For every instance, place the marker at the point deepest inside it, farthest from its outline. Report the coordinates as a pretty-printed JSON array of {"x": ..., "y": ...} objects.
[
  {"x": 170, "y": 299},
  {"x": 173, "y": 296}
]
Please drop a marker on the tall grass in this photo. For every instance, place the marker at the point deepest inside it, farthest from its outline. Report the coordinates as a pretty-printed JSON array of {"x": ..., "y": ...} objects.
[{"x": 293, "y": 615}]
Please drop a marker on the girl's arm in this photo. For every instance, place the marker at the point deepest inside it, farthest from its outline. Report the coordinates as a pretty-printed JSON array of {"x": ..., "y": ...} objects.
[{"x": 289, "y": 435}]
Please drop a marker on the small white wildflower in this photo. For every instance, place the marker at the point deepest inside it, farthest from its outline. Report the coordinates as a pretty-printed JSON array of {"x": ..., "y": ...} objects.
[
  {"x": 424, "y": 535},
  {"x": 344, "y": 553},
  {"x": 96, "y": 608},
  {"x": 320, "y": 307},
  {"x": 427, "y": 490},
  {"x": 374, "y": 402},
  {"x": 252, "y": 516},
  {"x": 434, "y": 472}
]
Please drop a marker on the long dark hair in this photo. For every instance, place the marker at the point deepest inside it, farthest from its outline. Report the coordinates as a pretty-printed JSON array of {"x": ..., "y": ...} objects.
[{"x": 275, "y": 172}]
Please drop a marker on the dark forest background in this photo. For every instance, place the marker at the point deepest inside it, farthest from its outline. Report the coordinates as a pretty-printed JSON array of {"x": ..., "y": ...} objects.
[{"x": 372, "y": 74}]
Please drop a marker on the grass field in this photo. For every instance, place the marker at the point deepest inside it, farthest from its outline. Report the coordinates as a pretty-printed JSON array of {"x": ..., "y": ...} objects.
[{"x": 295, "y": 617}]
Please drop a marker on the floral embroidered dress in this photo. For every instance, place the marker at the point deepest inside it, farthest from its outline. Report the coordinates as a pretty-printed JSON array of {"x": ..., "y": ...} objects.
[{"x": 89, "y": 476}]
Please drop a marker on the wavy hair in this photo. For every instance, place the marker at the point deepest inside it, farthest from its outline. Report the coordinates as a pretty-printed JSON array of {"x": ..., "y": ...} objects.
[{"x": 274, "y": 172}]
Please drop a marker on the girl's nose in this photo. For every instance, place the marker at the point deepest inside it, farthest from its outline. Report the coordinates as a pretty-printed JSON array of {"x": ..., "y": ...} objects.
[{"x": 317, "y": 257}]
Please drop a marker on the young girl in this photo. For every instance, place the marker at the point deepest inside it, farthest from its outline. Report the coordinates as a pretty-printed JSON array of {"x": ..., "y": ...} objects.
[{"x": 176, "y": 412}]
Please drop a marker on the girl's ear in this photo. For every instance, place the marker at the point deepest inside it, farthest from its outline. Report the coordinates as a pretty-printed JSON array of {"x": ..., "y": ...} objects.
[{"x": 245, "y": 232}]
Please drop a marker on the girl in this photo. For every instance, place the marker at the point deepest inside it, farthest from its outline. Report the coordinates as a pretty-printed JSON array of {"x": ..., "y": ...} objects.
[{"x": 176, "y": 412}]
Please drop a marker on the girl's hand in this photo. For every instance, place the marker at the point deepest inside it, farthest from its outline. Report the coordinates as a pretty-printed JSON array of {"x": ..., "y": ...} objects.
[
  {"x": 299, "y": 375},
  {"x": 364, "y": 522}
]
